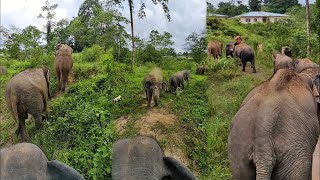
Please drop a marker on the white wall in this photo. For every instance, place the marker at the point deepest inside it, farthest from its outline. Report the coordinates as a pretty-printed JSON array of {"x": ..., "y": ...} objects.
[{"x": 259, "y": 19}]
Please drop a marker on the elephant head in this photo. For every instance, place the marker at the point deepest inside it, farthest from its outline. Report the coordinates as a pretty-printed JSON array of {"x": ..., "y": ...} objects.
[
  {"x": 27, "y": 161},
  {"x": 142, "y": 158},
  {"x": 286, "y": 50},
  {"x": 303, "y": 64},
  {"x": 229, "y": 49}
]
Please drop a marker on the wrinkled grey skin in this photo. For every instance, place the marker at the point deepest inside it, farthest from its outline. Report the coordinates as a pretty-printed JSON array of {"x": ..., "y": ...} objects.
[
  {"x": 141, "y": 158},
  {"x": 177, "y": 80},
  {"x": 281, "y": 61},
  {"x": 275, "y": 131},
  {"x": 303, "y": 64},
  {"x": 28, "y": 92},
  {"x": 63, "y": 64},
  {"x": 286, "y": 50},
  {"x": 201, "y": 69},
  {"x": 26, "y": 161},
  {"x": 246, "y": 54},
  {"x": 215, "y": 49}
]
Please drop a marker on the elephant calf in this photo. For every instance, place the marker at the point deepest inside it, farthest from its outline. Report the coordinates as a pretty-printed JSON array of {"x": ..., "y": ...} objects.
[
  {"x": 275, "y": 131},
  {"x": 201, "y": 69},
  {"x": 27, "y": 161},
  {"x": 177, "y": 80},
  {"x": 281, "y": 61},
  {"x": 153, "y": 85},
  {"x": 28, "y": 92},
  {"x": 142, "y": 158},
  {"x": 214, "y": 49},
  {"x": 303, "y": 64},
  {"x": 63, "y": 64}
]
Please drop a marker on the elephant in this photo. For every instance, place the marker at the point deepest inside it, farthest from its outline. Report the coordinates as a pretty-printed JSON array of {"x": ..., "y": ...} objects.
[
  {"x": 141, "y": 158},
  {"x": 286, "y": 50},
  {"x": 281, "y": 61},
  {"x": 63, "y": 64},
  {"x": 275, "y": 131},
  {"x": 201, "y": 69},
  {"x": 27, "y": 161},
  {"x": 245, "y": 53},
  {"x": 3, "y": 70},
  {"x": 229, "y": 49},
  {"x": 28, "y": 92},
  {"x": 215, "y": 49},
  {"x": 153, "y": 85},
  {"x": 177, "y": 80},
  {"x": 303, "y": 64}
]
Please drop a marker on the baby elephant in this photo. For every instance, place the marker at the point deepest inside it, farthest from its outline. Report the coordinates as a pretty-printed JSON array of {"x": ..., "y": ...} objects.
[
  {"x": 27, "y": 161},
  {"x": 63, "y": 64},
  {"x": 177, "y": 80},
  {"x": 153, "y": 85},
  {"x": 142, "y": 158},
  {"x": 281, "y": 61},
  {"x": 201, "y": 69},
  {"x": 28, "y": 92}
]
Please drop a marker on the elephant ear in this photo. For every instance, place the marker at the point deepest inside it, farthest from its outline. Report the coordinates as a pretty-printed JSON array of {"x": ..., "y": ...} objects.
[
  {"x": 316, "y": 88},
  {"x": 58, "y": 170},
  {"x": 178, "y": 170}
]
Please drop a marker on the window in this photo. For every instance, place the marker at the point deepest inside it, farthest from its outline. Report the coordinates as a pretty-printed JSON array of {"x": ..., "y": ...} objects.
[
  {"x": 247, "y": 20},
  {"x": 264, "y": 19},
  {"x": 255, "y": 20}
]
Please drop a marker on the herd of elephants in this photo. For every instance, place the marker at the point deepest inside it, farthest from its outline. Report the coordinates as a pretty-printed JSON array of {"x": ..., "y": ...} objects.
[{"x": 272, "y": 136}]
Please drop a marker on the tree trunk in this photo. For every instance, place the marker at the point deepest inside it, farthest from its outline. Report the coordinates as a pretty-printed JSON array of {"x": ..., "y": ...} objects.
[
  {"x": 132, "y": 35},
  {"x": 308, "y": 28}
]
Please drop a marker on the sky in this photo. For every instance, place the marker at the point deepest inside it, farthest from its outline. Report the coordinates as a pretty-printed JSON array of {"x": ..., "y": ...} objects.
[
  {"x": 186, "y": 16},
  {"x": 216, "y": 2}
]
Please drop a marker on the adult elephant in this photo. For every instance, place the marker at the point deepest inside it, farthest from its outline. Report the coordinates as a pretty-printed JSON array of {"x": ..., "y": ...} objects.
[
  {"x": 281, "y": 61},
  {"x": 215, "y": 49},
  {"x": 275, "y": 131},
  {"x": 303, "y": 64},
  {"x": 244, "y": 52},
  {"x": 28, "y": 92},
  {"x": 27, "y": 161},
  {"x": 63, "y": 64},
  {"x": 142, "y": 158}
]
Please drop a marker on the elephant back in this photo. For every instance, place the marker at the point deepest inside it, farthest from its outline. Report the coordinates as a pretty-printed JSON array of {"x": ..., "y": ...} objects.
[
  {"x": 138, "y": 158},
  {"x": 303, "y": 64},
  {"x": 23, "y": 161}
]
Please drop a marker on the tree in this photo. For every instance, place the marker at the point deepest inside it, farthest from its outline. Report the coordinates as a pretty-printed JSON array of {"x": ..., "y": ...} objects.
[
  {"x": 255, "y": 5},
  {"x": 141, "y": 14},
  {"x": 196, "y": 43},
  {"x": 280, "y": 6},
  {"x": 210, "y": 8},
  {"x": 231, "y": 9},
  {"x": 49, "y": 17},
  {"x": 160, "y": 41},
  {"x": 308, "y": 28}
]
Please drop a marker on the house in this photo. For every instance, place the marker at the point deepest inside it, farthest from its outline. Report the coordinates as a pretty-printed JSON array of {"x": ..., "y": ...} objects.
[
  {"x": 218, "y": 15},
  {"x": 260, "y": 16}
]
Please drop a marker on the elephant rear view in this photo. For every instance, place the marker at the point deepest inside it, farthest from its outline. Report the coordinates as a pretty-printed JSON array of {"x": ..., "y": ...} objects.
[
  {"x": 28, "y": 92},
  {"x": 63, "y": 64},
  {"x": 27, "y": 161},
  {"x": 245, "y": 53},
  {"x": 215, "y": 49},
  {"x": 141, "y": 158}
]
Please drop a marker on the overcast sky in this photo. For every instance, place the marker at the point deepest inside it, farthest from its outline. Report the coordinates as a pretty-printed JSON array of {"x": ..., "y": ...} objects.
[
  {"x": 216, "y": 2},
  {"x": 186, "y": 16}
]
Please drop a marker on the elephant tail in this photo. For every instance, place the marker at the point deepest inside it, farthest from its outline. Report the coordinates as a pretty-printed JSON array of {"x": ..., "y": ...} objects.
[{"x": 14, "y": 107}]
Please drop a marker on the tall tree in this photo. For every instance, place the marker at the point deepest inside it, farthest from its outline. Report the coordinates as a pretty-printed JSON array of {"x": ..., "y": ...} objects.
[
  {"x": 49, "y": 17},
  {"x": 280, "y": 6},
  {"x": 231, "y": 8},
  {"x": 210, "y": 8},
  {"x": 308, "y": 28},
  {"x": 141, "y": 14},
  {"x": 196, "y": 43},
  {"x": 255, "y": 5}
]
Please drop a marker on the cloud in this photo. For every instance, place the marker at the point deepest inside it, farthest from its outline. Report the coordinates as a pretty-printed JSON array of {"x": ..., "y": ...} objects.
[{"x": 186, "y": 16}]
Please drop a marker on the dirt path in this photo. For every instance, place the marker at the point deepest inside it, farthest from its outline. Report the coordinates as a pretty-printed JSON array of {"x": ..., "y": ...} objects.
[{"x": 162, "y": 126}]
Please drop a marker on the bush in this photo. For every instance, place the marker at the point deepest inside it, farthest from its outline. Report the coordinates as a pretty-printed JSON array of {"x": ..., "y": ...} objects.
[{"x": 92, "y": 54}]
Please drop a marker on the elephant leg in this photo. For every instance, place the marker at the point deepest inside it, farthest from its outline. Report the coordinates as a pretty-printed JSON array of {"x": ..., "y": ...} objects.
[
  {"x": 244, "y": 63},
  {"x": 65, "y": 75},
  {"x": 253, "y": 67},
  {"x": 22, "y": 130},
  {"x": 58, "y": 78},
  {"x": 38, "y": 120},
  {"x": 149, "y": 98}
]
